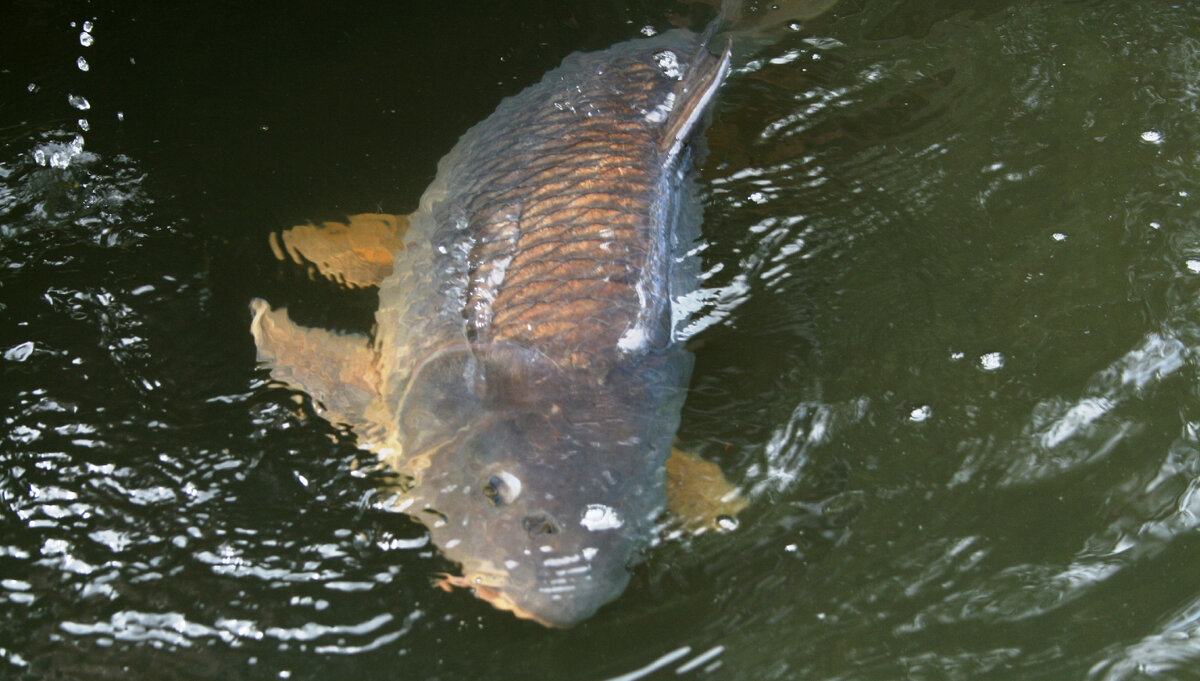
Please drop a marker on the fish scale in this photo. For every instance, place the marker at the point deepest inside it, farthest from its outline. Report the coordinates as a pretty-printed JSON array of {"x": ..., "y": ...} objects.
[
  {"x": 565, "y": 196},
  {"x": 523, "y": 377}
]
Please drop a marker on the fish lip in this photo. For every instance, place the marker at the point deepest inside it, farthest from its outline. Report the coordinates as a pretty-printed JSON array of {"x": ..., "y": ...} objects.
[{"x": 496, "y": 597}]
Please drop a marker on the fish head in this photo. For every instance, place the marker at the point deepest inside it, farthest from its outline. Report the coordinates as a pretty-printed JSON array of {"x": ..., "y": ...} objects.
[{"x": 541, "y": 488}]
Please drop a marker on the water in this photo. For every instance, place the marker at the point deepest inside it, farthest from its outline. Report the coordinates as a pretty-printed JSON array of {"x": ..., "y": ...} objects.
[{"x": 946, "y": 344}]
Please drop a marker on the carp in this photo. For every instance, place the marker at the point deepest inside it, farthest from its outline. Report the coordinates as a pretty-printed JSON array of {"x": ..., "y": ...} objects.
[{"x": 525, "y": 374}]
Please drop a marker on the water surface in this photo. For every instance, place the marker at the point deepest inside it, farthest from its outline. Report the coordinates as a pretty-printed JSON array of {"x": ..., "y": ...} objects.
[{"x": 946, "y": 345}]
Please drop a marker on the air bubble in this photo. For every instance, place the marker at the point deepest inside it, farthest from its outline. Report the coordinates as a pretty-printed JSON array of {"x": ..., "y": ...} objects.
[
  {"x": 85, "y": 39},
  {"x": 82, "y": 64},
  {"x": 79, "y": 102}
]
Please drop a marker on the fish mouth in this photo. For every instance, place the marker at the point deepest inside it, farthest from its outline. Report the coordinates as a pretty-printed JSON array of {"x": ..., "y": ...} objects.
[
  {"x": 548, "y": 606},
  {"x": 494, "y": 596}
]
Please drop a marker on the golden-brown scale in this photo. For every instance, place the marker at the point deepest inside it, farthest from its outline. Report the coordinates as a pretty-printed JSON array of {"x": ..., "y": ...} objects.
[{"x": 579, "y": 187}]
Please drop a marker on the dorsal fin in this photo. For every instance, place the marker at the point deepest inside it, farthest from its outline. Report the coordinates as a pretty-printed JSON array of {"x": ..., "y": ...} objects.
[{"x": 695, "y": 92}]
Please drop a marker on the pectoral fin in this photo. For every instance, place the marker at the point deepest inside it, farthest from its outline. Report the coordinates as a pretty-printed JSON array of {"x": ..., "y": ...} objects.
[
  {"x": 699, "y": 495},
  {"x": 338, "y": 370},
  {"x": 356, "y": 253}
]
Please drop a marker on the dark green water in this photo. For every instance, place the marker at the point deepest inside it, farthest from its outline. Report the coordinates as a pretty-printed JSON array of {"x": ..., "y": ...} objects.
[{"x": 947, "y": 345}]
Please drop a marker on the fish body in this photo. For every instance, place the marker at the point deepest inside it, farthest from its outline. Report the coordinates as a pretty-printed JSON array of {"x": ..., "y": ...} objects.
[{"x": 525, "y": 371}]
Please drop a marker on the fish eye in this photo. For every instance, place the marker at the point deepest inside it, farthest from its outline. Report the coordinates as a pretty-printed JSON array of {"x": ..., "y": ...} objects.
[
  {"x": 501, "y": 488},
  {"x": 491, "y": 489}
]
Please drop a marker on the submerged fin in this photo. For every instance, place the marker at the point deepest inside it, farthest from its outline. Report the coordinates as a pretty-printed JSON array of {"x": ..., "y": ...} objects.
[
  {"x": 695, "y": 92},
  {"x": 357, "y": 253},
  {"x": 699, "y": 495},
  {"x": 337, "y": 370}
]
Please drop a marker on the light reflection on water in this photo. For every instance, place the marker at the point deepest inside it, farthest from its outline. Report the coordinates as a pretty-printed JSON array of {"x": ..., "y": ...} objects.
[
  {"x": 1066, "y": 423},
  {"x": 946, "y": 344}
]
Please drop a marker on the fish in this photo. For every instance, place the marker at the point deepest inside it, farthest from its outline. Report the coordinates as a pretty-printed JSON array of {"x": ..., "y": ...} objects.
[{"x": 526, "y": 371}]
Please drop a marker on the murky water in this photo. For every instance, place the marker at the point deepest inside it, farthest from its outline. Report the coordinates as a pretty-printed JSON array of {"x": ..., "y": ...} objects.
[{"x": 946, "y": 344}]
